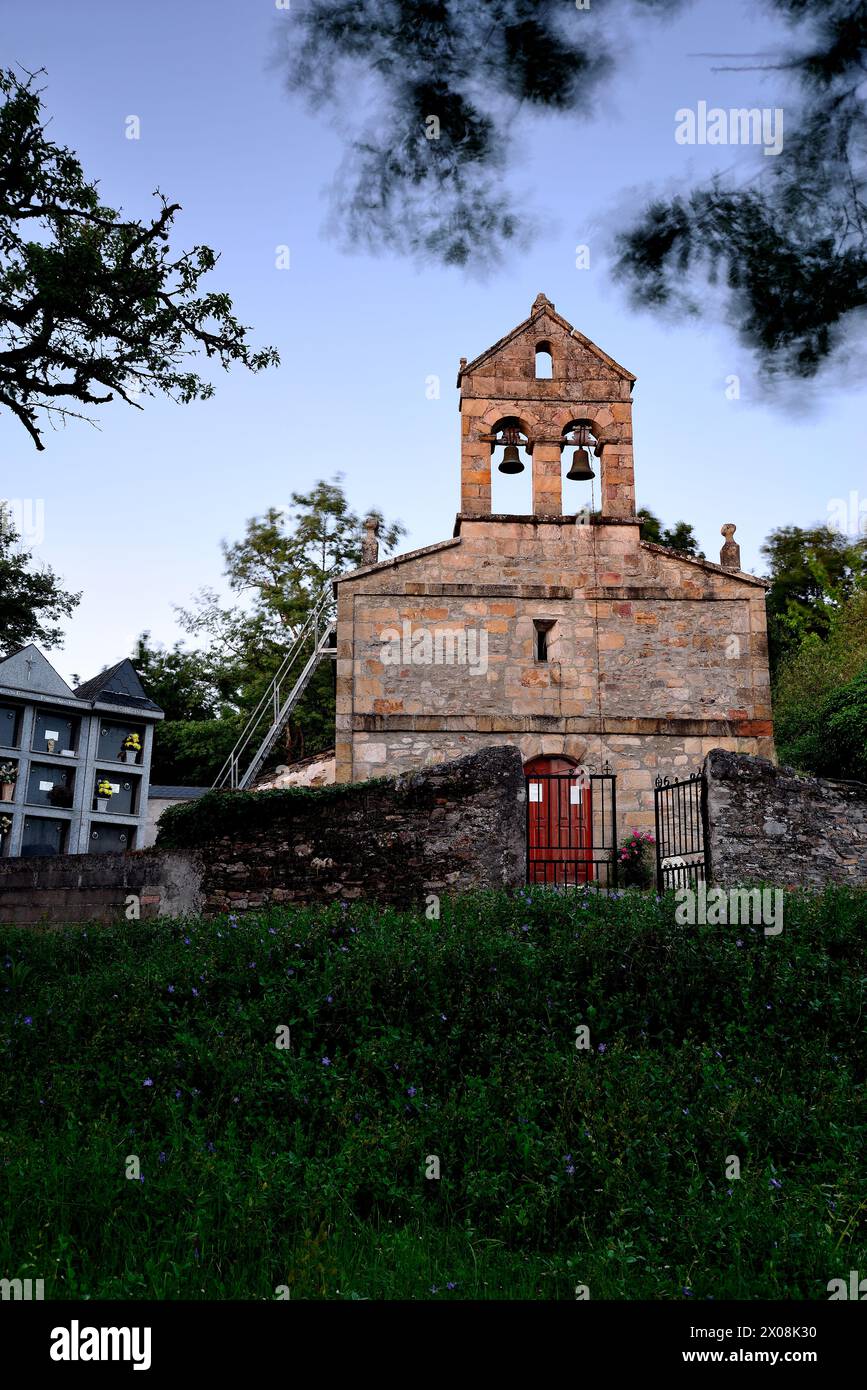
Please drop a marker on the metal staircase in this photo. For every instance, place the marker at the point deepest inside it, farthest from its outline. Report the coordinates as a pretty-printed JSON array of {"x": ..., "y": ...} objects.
[{"x": 318, "y": 639}]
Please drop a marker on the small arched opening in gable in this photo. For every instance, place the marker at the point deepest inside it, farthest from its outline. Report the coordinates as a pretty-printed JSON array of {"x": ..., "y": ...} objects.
[{"x": 544, "y": 362}]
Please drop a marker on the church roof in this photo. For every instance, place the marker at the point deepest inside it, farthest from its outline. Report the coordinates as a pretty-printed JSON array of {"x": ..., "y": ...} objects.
[
  {"x": 699, "y": 562},
  {"x": 544, "y": 309}
]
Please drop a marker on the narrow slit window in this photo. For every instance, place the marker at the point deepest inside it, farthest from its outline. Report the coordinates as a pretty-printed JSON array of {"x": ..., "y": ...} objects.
[{"x": 542, "y": 627}]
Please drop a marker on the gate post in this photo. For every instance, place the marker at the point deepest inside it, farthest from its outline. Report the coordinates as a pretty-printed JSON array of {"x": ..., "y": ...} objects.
[{"x": 660, "y": 886}]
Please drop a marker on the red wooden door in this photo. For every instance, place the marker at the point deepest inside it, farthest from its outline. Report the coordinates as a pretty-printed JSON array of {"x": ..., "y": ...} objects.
[{"x": 559, "y": 822}]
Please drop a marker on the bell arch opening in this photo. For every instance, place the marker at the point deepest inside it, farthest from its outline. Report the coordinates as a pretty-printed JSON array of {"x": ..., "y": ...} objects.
[
  {"x": 580, "y": 472},
  {"x": 511, "y": 472}
]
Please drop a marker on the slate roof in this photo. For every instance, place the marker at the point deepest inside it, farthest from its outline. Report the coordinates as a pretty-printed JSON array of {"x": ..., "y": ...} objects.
[
  {"x": 119, "y": 685},
  {"x": 176, "y": 793}
]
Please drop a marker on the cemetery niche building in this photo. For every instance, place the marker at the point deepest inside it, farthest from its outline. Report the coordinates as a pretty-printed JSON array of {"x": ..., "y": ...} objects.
[
  {"x": 74, "y": 764},
  {"x": 560, "y": 631}
]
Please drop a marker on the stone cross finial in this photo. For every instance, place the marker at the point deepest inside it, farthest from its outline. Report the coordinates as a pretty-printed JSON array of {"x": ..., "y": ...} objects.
[
  {"x": 540, "y": 301},
  {"x": 370, "y": 541},
  {"x": 730, "y": 554}
]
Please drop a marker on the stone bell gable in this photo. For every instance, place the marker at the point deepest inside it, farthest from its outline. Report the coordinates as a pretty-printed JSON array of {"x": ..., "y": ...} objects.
[
  {"x": 585, "y": 384},
  {"x": 565, "y": 635}
]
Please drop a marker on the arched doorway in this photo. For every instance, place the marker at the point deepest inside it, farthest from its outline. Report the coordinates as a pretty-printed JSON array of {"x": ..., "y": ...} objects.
[{"x": 559, "y": 822}]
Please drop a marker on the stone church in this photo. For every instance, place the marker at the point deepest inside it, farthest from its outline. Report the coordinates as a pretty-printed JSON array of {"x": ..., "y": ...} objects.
[{"x": 561, "y": 631}]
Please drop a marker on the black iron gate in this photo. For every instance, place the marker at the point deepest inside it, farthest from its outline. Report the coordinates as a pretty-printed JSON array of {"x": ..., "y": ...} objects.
[
  {"x": 681, "y": 859},
  {"x": 572, "y": 828}
]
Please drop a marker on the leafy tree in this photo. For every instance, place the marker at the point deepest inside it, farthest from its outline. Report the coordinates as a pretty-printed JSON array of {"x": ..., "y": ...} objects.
[
  {"x": 176, "y": 680},
  {"x": 32, "y": 602},
  {"x": 786, "y": 259},
  {"x": 280, "y": 567},
  {"x": 820, "y": 696},
  {"x": 843, "y": 752},
  {"x": 94, "y": 306},
  {"x": 285, "y": 569},
  {"x": 426, "y": 175},
  {"x": 431, "y": 174},
  {"x": 680, "y": 536},
  {"x": 813, "y": 570},
  {"x": 190, "y": 753}
]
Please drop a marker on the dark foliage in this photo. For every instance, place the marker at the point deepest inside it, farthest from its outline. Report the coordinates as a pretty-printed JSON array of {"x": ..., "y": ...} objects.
[
  {"x": 787, "y": 252},
  {"x": 94, "y": 306},
  {"x": 32, "y": 603},
  {"x": 407, "y": 1038}
]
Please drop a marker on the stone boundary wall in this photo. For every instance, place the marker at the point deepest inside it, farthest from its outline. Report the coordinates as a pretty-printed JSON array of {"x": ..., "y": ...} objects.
[
  {"x": 66, "y": 888},
  {"x": 447, "y": 829},
  {"x": 772, "y": 824}
]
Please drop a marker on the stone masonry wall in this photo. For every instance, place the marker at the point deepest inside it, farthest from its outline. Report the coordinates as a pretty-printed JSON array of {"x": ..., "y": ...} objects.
[
  {"x": 772, "y": 824},
  {"x": 447, "y": 829},
  {"x": 652, "y": 659},
  {"x": 68, "y": 888},
  {"x": 586, "y": 384}
]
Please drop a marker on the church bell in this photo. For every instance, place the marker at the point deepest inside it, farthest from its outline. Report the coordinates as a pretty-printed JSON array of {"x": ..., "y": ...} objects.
[
  {"x": 511, "y": 462},
  {"x": 580, "y": 472}
]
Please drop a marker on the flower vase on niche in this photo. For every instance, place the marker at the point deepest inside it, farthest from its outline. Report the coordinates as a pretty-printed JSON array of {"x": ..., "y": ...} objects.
[
  {"x": 8, "y": 774},
  {"x": 131, "y": 748},
  {"x": 103, "y": 794}
]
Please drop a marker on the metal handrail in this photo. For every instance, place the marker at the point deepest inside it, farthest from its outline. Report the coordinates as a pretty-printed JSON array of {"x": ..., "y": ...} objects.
[{"x": 229, "y": 772}]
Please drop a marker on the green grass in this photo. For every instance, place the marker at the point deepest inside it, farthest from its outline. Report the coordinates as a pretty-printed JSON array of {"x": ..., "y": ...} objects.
[{"x": 455, "y": 1038}]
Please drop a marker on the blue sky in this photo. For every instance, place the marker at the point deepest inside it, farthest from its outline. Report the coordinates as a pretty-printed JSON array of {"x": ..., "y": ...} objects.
[{"x": 135, "y": 511}]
